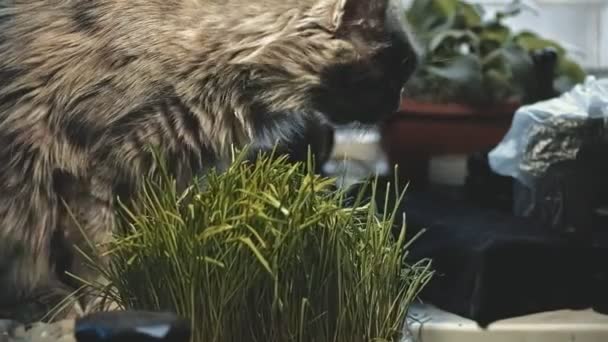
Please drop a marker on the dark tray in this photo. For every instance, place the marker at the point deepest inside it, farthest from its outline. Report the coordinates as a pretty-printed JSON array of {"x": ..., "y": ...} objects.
[{"x": 491, "y": 265}]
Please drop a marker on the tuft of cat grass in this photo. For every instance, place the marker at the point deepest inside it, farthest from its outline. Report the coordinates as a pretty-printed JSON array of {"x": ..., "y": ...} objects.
[{"x": 264, "y": 251}]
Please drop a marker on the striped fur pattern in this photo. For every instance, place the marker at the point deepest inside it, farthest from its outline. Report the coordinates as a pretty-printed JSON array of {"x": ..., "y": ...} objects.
[{"x": 85, "y": 85}]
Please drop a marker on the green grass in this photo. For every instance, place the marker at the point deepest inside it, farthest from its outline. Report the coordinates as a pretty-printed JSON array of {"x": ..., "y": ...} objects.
[{"x": 264, "y": 252}]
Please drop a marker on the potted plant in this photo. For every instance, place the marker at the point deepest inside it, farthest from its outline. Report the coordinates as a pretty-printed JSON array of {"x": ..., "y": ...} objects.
[
  {"x": 477, "y": 62},
  {"x": 474, "y": 73},
  {"x": 264, "y": 251}
]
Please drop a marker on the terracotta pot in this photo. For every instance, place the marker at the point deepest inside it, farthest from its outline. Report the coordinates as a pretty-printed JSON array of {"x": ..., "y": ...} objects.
[{"x": 420, "y": 130}]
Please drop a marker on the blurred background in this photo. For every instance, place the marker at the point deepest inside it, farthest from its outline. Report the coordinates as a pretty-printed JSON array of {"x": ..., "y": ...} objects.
[{"x": 455, "y": 110}]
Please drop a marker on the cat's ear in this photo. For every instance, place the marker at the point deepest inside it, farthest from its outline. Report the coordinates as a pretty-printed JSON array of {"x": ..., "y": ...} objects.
[{"x": 358, "y": 16}]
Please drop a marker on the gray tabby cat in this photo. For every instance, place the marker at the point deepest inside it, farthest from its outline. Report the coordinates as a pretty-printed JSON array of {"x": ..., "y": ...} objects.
[{"x": 85, "y": 85}]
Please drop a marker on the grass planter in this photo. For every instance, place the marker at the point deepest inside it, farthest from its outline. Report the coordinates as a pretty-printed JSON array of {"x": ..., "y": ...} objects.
[{"x": 264, "y": 251}]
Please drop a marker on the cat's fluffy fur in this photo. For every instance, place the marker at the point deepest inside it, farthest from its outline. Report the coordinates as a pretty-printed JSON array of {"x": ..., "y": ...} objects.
[{"x": 85, "y": 85}]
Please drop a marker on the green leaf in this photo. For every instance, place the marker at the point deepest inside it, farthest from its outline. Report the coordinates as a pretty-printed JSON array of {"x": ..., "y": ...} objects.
[
  {"x": 429, "y": 16},
  {"x": 567, "y": 67},
  {"x": 495, "y": 32},
  {"x": 214, "y": 230},
  {"x": 259, "y": 256},
  {"x": 463, "y": 70},
  {"x": 463, "y": 74},
  {"x": 509, "y": 73},
  {"x": 520, "y": 64},
  {"x": 468, "y": 15},
  {"x": 451, "y": 38},
  {"x": 532, "y": 42},
  {"x": 568, "y": 74},
  {"x": 446, "y": 8},
  {"x": 421, "y": 17}
]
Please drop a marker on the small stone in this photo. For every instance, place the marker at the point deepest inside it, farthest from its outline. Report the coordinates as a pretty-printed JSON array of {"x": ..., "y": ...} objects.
[
  {"x": 9, "y": 329},
  {"x": 59, "y": 331},
  {"x": 62, "y": 331}
]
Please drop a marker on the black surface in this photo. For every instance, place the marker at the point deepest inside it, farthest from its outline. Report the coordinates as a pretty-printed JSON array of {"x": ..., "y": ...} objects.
[
  {"x": 484, "y": 187},
  {"x": 491, "y": 265},
  {"x": 132, "y": 326}
]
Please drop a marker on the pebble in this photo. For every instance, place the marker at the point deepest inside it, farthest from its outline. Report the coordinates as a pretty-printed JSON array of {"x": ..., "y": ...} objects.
[{"x": 62, "y": 331}]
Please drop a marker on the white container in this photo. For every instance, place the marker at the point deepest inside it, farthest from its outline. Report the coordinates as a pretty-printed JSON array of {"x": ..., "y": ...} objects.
[
  {"x": 430, "y": 324},
  {"x": 357, "y": 154}
]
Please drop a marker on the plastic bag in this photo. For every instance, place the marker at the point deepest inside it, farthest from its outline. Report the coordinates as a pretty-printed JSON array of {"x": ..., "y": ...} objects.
[{"x": 552, "y": 131}]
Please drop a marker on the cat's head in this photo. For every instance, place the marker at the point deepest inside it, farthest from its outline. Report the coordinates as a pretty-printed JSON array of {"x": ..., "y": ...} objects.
[{"x": 345, "y": 59}]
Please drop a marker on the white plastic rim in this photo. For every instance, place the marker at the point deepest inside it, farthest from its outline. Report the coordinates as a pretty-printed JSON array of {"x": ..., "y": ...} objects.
[{"x": 430, "y": 324}]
